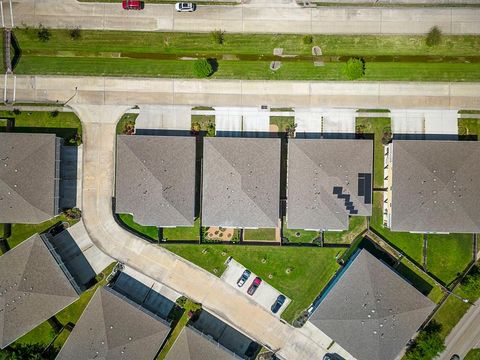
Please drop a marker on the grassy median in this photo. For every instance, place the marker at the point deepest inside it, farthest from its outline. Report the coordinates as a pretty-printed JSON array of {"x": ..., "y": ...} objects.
[{"x": 156, "y": 54}]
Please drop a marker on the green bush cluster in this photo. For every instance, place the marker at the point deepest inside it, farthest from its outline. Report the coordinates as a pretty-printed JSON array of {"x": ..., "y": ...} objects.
[
  {"x": 43, "y": 33},
  {"x": 202, "y": 68},
  {"x": 434, "y": 37},
  {"x": 354, "y": 68},
  {"x": 308, "y": 39},
  {"x": 218, "y": 36},
  {"x": 427, "y": 345}
]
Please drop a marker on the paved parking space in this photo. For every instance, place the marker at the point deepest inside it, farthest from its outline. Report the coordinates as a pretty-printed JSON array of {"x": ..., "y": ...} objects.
[
  {"x": 258, "y": 121},
  {"x": 265, "y": 295},
  {"x": 157, "y": 117},
  {"x": 407, "y": 121},
  {"x": 339, "y": 121},
  {"x": 430, "y": 122},
  {"x": 444, "y": 122}
]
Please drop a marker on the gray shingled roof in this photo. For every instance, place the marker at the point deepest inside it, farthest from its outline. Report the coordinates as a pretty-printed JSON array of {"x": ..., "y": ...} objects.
[
  {"x": 155, "y": 179},
  {"x": 371, "y": 311},
  {"x": 241, "y": 182},
  {"x": 113, "y": 328},
  {"x": 32, "y": 289},
  {"x": 27, "y": 177},
  {"x": 328, "y": 180},
  {"x": 436, "y": 186},
  {"x": 191, "y": 345}
]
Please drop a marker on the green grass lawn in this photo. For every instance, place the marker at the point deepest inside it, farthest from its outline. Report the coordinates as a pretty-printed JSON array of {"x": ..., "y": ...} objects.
[
  {"x": 64, "y": 124},
  {"x": 283, "y": 122},
  {"x": 148, "y": 231},
  {"x": 448, "y": 255},
  {"x": 410, "y": 244},
  {"x": 420, "y": 281},
  {"x": 450, "y": 314},
  {"x": 469, "y": 127},
  {"x": 311, "y": 268},
  {"x": 98, "y": 53},
  {"x": 183, "y": 233},
  {"x": 473, "y": 354},
  {"x": 2, "y": 231},
  {"x": 304, "y": 236},
  {"x": 21, "y": 232},
  {"x": 259, "y": 234},
  {"x": 377, "y": 127},
  {"x": 355, "y": 226}
]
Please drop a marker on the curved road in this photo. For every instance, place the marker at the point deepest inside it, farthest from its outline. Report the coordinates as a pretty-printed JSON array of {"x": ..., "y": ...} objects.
[
  {"x": 268, "y": 17},
  {"x": 99, "y": 123}
]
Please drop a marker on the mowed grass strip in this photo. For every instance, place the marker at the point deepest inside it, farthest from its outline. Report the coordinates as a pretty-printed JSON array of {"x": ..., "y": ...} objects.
[
  {"x": 148, "y": 231},
  {"x": 255, "y": 44},
  {"x": 410, "y": 244},
  {"x": 246, "y": 70},
  {"x": 356, "y": 225},
  {"x": 448, "y": 255},
  {"x": 310, "y": 268}
]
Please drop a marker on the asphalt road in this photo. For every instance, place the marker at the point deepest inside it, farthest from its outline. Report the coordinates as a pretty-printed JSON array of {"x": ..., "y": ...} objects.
[
  {"x": 464, "y": 336},
  {"x": 266, "y": 17},
  {"x": 240, "y": 93}
]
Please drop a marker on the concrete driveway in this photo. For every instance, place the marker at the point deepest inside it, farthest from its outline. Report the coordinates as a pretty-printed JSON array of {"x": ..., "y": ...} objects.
[
  {"x": 339, "y": 121},
  {"x": 163, "y": 117},
  {"x": 424, "y": 122},
  {"x": 265, "y": 295}
]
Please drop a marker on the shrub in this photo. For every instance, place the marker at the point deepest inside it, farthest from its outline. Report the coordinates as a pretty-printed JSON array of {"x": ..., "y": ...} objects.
[
  {"x": 54, "y": 113},
  {"x": 387, "y": 136},
  {"x": 471, "y": 284},
  {"x": 354, "y": 68},
  {"x": 17, "y": 111},
  {"x": 43, "y": 33},
  {"x": 75, "y": 33},
  {"x": 202, "y": 68},
  {"x": 434, "y": 36},
  {"x": 218, "y": 36},
  {"x": 307, "y": 39}
]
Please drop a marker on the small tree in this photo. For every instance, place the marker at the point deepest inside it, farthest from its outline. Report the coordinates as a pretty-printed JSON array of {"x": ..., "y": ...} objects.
[
  {"x": 54, "y": 113},
  {"x": 218, "y": 36},
  {"x": 307, "y": 39},
  {"x": 354, "y": 68},
  {"x": 202, "y": 68},
  {"x": 471, "y": 283},
  {"x": 43, "y": 33},
  {"x": 434, "y": 36},
  {"x": 427, "y": 345},
  {"x": 75, "y": 33}
]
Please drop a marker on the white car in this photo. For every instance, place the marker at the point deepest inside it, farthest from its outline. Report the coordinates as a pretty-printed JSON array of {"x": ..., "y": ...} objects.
[{"x": 185, "y": 7}]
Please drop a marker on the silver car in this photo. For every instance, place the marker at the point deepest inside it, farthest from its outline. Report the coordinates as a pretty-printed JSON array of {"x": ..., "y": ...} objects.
[{"x": 185, "y": 7}]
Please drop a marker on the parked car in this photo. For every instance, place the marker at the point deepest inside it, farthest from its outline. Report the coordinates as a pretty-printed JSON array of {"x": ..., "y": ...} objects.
[
  {"x": 455, "y": 357},
  {"x": 243, "y": 278},
  {"x": 253, "y": 287},
  {"x": 185, "y": 7},
  {"x": 132, "y": 5},
  {"x": 278, "y": 303}
]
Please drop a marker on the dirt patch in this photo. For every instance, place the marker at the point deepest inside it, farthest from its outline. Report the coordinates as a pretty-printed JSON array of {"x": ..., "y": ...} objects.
[
  {"x": 273, "y": 128},
  {"x": 219, "y": 233}
]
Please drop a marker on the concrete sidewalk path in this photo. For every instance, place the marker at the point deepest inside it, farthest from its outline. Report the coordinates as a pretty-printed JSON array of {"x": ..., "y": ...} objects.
[
  {"x": 248, "y": 18},
  {"x": 242, "y": 93}
]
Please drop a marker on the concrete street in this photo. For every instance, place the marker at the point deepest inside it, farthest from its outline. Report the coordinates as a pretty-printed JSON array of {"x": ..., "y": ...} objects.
[
  {"x": 464, "y": 336},
  {"x": 263, "y": 17},
  {"x": 215, "y": 295},
  {"x": 242, "y": 93}
]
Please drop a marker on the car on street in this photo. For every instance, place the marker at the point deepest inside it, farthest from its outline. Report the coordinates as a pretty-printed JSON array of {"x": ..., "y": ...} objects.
[
  {"x": 132, "y": 5},
  {"x": 253, "y": 287},
  {"x": 455, "y": 357},
  {"x": 278, "y": 303},
  {"x": 246, "y": 274},
  {"x": 185, "y": 7}
]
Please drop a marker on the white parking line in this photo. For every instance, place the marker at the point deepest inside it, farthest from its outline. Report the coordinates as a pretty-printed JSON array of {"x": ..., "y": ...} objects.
[{"x": 265, "y": 295}]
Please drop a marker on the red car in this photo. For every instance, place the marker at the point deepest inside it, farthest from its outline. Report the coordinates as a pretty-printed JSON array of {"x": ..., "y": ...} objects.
[
  {"x": 132, "y": 5},
  {"x": 255, "y": 284}
]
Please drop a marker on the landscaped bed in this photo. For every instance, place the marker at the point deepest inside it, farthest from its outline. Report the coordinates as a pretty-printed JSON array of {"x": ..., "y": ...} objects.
[
  {"x": 469, "y": 127},
  {"x": 282, "y": 123},
  {"x": 183, "y": 232},
  {"x": 356, "y": 225},
  {"x": 410, "y": 244},
  {"x": 300, "y": 273},
  {"x": 448, "y": 255}
]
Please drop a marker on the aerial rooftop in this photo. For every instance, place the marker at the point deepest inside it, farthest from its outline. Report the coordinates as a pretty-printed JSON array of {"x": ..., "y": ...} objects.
[
  {"x": 33, "y": 288},
  {"x": 28, "y": 177},
  {"x": 328, "y": 181},
  {"x": 112, "y": 327},
  {"x": 371, "y": 311},
  {"x": 241, "y": 182},
  {"x": 155, "y": 179},
  {"x": 435, "y": 186}
]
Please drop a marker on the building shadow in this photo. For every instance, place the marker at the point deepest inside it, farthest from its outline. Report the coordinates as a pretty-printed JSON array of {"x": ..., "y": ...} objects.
[
  {"x": 68, "y": 177},
  {"x": 425, "y": 137}
]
